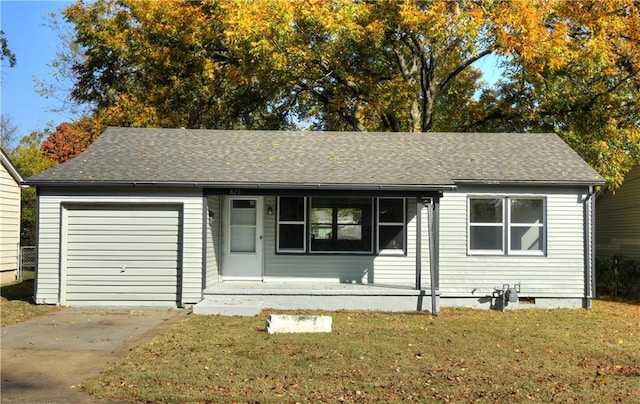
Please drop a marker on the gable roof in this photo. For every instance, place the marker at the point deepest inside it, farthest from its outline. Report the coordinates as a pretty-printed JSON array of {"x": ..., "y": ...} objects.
[
  {"x": 333, "y": 160},
  {"x": 11, "y": 169}
]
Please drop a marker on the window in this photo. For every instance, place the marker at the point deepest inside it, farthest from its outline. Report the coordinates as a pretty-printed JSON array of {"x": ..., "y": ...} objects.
[
  {"x": 486, "y": 225},
  {"x": 243, "y": 225},
  {"x": 391, "y": 225},
  {"x": 340, "y": 224},
  {"x": 506, "y": 225},
  {"x": 291, "y": 224},
  {"x": 526, "y": 225}
]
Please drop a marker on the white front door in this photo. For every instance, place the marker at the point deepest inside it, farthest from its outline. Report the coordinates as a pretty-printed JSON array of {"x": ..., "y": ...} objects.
[{"x": 243, "y": 241}]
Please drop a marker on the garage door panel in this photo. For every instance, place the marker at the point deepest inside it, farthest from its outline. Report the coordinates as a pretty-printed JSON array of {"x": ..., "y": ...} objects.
[
  {"x": 101, "y": 268},
  {"x": 132, "y": 241},
  {"x": 109, "y": 280},
  {"x": 117, "y": 247},
  {"x": 122, "y": 298},
  {"x": 90, "y": 255},
  {"x": 123, "y": 254},
  {"x": 98, "y": 267},
  {"x": 123, "y": 221},
  {"x": 134, "y": 230},
  {"x": 126, "y": 289},
  {"x": 124, "y": 211}
]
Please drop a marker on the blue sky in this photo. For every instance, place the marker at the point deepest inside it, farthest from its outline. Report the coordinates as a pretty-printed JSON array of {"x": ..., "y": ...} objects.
[
  {"x": 25, "y": 24},
  {"x": 26, "y": 27}
]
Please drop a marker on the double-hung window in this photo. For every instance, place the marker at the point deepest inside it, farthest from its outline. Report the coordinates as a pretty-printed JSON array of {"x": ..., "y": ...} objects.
[
  {"x": 291, "y": 224},
  {"x": 391, "y": 225},
  {"x": 526, "y": 226},
  {"x": 506, "y": 225}
]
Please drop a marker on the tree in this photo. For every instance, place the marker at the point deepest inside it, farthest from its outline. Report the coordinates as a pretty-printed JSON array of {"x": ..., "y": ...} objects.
[
  {"x": 584, "y": 87},
  {"x": 570, "y": 67},
  {"x": 161, "y": 64},
  {"x": 71, "y": 139},
  {"x": 8, "y": 131},
  {"x": 6, "y": 52},
  {"x": 29, "y": 159}
]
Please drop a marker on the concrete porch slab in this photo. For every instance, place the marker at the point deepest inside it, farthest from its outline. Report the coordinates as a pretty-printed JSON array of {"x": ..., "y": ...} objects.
[
  {"x": 310, "y": 289},
  {"x": 228, "y": 307},
  {"x": 321, "y": 296}
]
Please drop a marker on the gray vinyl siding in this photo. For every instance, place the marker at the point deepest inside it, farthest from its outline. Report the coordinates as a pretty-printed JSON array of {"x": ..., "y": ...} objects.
[
  {"x": 213, "y": 240},
  {"x": 366, "y": 268},
  {"x": 618, "y": 219},
  {"x": 558, "y": 274},
  {"x": 51, "y": 226}
]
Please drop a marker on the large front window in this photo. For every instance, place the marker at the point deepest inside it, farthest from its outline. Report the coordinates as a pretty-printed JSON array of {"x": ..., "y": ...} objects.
[
  {"x": 506, "y": 225},
  {"x": 341, "y": 225}
]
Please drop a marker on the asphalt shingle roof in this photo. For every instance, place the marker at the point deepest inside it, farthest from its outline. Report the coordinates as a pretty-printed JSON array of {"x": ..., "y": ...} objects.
[{"x": 289, "y": 159}]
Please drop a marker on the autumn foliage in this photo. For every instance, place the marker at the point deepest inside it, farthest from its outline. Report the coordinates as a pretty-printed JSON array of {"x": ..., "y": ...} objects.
[
  {"x": 71, "y": 139},
  {"x": 570, "y": 67}
]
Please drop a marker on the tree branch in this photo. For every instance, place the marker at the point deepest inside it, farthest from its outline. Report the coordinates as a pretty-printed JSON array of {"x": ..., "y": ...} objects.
[{"x": 463, "y": 66}]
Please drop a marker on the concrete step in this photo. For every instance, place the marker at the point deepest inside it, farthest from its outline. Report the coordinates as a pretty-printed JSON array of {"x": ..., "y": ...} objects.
[{"x": 228, "y": 307}]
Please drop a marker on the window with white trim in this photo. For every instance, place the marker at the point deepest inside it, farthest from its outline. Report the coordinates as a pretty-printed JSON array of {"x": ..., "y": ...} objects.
[
  {"x": 391, "y": 225},
  {"x": 506, "y": 225},
  {"x": 291, "y": 224}
]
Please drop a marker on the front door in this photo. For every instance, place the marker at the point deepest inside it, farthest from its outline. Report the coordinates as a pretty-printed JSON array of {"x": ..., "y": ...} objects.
[{"x": 243, "y": 241}]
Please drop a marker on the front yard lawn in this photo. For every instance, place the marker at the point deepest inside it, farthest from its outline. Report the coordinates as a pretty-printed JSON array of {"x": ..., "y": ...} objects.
[
  {"x": 461, "y": 355},
  {"x": 16, "y": 303}
]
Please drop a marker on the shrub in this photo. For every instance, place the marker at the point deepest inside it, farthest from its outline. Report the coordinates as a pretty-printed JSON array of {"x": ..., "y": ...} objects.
[{"x": 620, "y": 276}]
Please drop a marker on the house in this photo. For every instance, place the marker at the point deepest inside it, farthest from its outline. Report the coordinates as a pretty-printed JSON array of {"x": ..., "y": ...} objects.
[
  {"x": 10, "y": 181},
  {"x": 618, "y": 219},
  {"x": 329, "y": 220}
]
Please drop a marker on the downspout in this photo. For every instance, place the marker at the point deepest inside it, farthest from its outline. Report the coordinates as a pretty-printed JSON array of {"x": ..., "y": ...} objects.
[
  {"x": 206, "y": 222},
  {"x": 419, "y": 206},
  {"x": 593, "y": 246},
  {"x": 434, "y": 228},
  {"x": 589, "y": 247}
]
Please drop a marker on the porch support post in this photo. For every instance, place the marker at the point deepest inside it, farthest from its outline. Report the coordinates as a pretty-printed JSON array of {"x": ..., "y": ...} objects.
[
  {"x": 434, "y": 253},
  {"x": 419, "y": 206}
]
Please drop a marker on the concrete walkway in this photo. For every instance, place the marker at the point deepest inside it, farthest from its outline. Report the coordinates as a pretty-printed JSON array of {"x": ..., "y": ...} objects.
[{"x": 45, "y": 359}]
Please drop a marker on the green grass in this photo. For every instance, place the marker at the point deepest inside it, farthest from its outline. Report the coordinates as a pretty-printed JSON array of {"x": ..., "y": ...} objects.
[
  {"x": 461, "y": 355},
  {"x": 16, "y": 303}
]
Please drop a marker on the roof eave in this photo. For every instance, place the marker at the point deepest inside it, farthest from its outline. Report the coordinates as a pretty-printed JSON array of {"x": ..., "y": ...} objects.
[
  {"x": 243, "y": 185},
  {"x": 12, "y": 169},
  {"x": 537, "y": 183}
]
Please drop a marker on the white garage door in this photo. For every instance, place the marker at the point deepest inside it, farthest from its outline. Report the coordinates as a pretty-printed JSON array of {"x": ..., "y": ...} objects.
[{"x": 123, "y": 255}]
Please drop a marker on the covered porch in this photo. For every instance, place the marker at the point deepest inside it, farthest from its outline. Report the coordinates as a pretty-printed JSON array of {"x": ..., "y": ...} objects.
[{"x": 278, "y": 271}]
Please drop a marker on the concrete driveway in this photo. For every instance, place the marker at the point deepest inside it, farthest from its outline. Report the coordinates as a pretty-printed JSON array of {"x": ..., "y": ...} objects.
[{"x": 45, "y": 359}]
